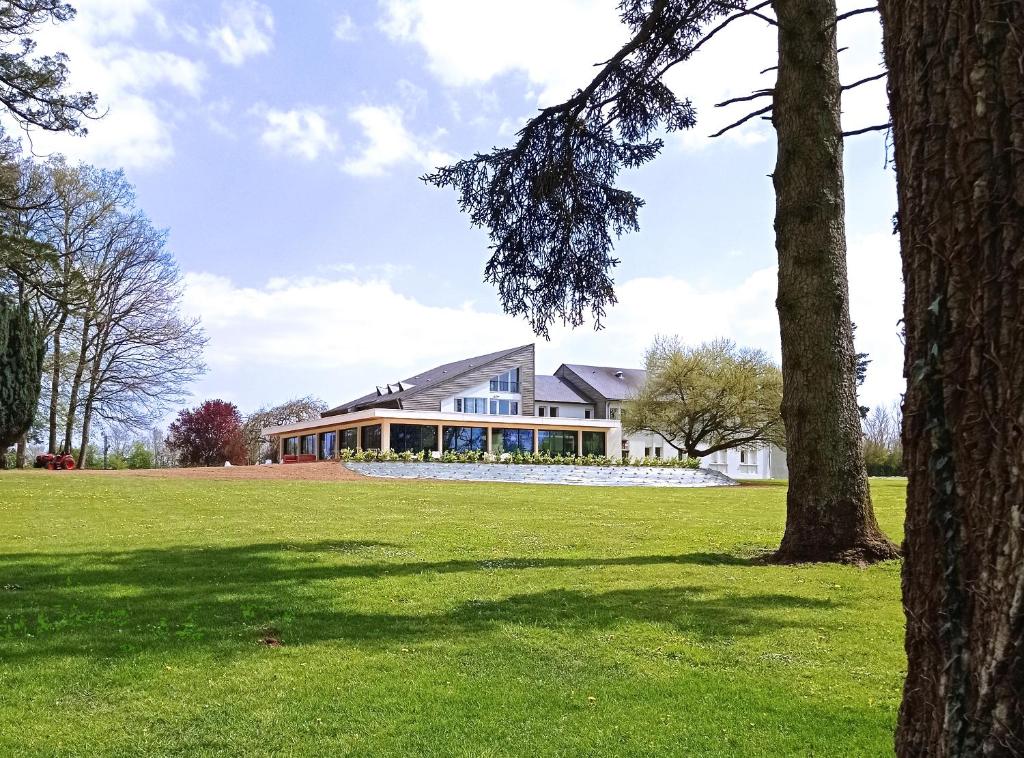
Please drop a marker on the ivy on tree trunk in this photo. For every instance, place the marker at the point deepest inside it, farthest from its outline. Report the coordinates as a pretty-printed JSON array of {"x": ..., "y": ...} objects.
[{"x": 956, "y": 93}]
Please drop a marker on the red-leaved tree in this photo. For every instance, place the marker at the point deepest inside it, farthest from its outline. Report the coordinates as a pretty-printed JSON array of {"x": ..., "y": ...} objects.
[{"x": 209, "y": 435}]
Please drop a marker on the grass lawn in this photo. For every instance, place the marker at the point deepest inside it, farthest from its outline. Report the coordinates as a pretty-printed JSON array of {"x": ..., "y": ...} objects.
[{"x": 432, "y": 619}]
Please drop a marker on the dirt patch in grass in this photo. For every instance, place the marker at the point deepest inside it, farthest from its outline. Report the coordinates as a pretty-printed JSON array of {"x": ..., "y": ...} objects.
[{"x": 315, "y": 472}]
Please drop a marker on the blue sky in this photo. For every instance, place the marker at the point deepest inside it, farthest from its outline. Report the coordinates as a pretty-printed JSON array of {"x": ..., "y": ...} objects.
[{"x": 280, "y": 142}]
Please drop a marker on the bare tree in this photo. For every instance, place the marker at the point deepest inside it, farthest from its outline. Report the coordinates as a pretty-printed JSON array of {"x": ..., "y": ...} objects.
[
  {"x": 288, "y": 412},
  {"x": 142, "y": 354}
]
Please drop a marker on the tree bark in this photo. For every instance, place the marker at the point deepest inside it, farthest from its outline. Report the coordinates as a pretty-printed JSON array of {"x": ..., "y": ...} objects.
[
  {"x": 76, "y": 386},
  {"x": 956, "y": 91},
  {"x": 19, "y": 459},
  {"x": 828, "y": 509},
  {"x": 55, "y": 385}
]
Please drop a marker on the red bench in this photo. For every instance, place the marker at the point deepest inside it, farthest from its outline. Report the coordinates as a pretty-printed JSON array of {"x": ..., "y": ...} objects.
[{"x": 305, "y": 458}]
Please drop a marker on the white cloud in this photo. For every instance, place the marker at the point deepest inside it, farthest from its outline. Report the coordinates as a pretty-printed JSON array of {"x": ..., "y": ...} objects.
[
  {"x": 246, "y": 30},
  {"x": 556, "y": 62},
  {"x": 534, "y": 39},
  {"x": 301, "y": 132},
  {"x": 132, "y": 84},
  {"x": 345, "y": 29},
  {"x": 388, "y": 143},
  {"x": 349, "y": 332}
]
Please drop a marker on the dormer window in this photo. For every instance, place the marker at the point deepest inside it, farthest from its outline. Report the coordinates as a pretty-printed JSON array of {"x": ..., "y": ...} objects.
[{"x": 507, "y": 382}]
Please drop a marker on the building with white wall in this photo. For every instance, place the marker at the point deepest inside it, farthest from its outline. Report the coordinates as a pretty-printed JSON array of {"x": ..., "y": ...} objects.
[{"x": 497, "y": 403}]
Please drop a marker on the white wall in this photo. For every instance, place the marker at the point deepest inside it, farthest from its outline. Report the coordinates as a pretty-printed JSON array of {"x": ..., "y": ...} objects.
[
  {"x": 757, "y": 463},
  {"x": 481, "y": 390},
  {"x": 566, "y": 410},
  {"x": 753, "y": 463}
]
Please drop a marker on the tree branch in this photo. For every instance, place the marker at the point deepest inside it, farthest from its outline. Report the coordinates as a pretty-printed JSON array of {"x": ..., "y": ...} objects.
[
  {"x": 866, "y": 129},
  {"x": 742, "y": 121},
  {"x": 753, "y": 96},
  {"x": 865, "y": 80}
]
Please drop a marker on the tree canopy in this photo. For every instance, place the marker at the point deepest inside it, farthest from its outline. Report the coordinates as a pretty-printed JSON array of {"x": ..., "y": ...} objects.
[
  {"x": 288, "y": 412},
  {"x": 209, "y": 435},
  {"x": 708, "y": 398},
  {"x": 550, "y": 203},
  {"x": 34, "y": 88}
]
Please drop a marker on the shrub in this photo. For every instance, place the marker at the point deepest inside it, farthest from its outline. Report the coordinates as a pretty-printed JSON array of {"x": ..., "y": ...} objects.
[{"x": 517, "y": 458}]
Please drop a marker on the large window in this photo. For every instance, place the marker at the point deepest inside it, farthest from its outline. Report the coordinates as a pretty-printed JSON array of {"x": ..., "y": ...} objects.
[
  {"x": 507, "y": 382},
  {"x": 371, "y": 437},
  {"x": 511, "y": 441},
  {"x": 556, "y": 442},
  {"x": 412, "y": 438},
  {"x": 471, "y": 405},
  {"x": 309, "y": 444},
  {"x": 504, "y": 408},
  {"x": 593, "y": 443},
  {"x": 291, "y": 446},
  {"x": 463, "y": 438},
  {"x": 349, "y": 439},
  {"x": 328, "y": 445}
]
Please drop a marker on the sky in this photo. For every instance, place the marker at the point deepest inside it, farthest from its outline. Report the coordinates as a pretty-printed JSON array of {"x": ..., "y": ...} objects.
[{"x": 281, "y": 144}]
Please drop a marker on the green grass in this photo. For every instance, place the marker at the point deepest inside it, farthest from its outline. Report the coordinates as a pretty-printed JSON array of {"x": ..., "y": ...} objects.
[{"x": 432, "y": 619}]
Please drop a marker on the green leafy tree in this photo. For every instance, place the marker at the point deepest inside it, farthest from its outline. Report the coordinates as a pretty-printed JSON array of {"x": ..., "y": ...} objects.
[
  {"x": 709, "y": 398},
  {"x": 21, "y": 366},
  {"x": 140, "y": 456}
]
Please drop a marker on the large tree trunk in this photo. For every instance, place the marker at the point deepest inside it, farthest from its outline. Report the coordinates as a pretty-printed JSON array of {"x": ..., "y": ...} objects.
[
  {"x": 19, "y": 459},
  {"x": 83, "y": 448},
  {"x": 55, "y": 385},
  {"x": 956, "y": 82},
  {"x": 76, "y": 386},
  {"x": 828, "y": 510}
]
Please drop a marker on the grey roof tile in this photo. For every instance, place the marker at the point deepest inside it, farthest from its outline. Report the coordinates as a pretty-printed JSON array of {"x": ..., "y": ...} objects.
[
  {"x": 422, "y": 381},
  {"x": 606, "y": 381},
  {"x": 551, "y": 389}
]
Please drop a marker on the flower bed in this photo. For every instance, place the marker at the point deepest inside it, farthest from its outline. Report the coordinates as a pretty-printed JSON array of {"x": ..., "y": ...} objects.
[{"x": 534, "y": 459}]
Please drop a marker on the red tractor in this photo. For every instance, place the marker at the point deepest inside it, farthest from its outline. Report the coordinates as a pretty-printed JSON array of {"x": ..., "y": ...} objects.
[{"x": 55, "y": 462}]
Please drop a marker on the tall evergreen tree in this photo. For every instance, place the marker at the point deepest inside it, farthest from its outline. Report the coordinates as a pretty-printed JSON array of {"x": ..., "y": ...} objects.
[
  {"x": 553, "y": 210},
  {"x": 21, "y": 367},
  {"x": 956, "y": 92}
]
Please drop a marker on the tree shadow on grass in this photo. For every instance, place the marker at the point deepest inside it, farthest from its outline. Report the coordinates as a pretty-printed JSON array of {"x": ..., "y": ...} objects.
[{"x": 225, "y": 599}]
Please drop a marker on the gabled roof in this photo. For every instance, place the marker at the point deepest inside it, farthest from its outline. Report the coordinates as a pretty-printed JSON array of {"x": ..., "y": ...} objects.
[
  {"x": 414, "y": 384},
  {"x": 551, "y": 389},
  {"x": 610, "y": 382}
]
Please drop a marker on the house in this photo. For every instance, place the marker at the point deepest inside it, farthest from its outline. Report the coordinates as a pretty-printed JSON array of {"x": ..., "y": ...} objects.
[{"x": 495, "y": 403}]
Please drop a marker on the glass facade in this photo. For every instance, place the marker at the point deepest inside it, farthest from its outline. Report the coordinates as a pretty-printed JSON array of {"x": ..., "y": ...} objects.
[
  {"x": 593, "y": 443},
  {"x": 309, "y": 444},
  {"x": 370, "y": 437},
  {"x": 557, "y": 442},
  {"x": 328, "y": 445},
  {"x": 413, "y": 438},
  {"x": 504, "y": 408},
  {"x": 349, "y": 439},
  {"x": 291, "y": 446},
  {"x": 464, "y": 438},
  {"x": 511, "y": 441},
  {"x": 507, "y": 382}
]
